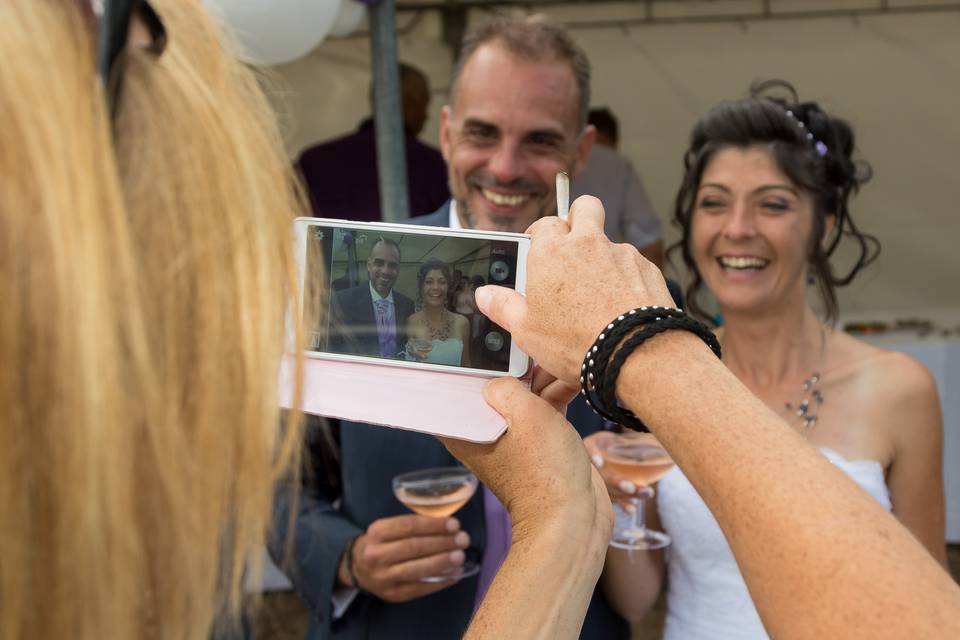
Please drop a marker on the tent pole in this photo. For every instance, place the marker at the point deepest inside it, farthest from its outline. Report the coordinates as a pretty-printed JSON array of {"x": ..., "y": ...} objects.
[{"x": 391, "y": 151}]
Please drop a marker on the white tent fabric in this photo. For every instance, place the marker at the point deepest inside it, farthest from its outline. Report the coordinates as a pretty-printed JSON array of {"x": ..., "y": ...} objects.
[{"x": 893, "y": 77}]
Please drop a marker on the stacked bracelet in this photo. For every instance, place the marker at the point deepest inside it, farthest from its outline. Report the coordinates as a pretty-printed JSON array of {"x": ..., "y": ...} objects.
[{"x": 602, "y": 363}]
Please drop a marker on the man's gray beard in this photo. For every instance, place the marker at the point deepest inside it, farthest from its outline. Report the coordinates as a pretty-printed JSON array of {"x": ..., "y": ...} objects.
[{"x": 501, "y": 223}]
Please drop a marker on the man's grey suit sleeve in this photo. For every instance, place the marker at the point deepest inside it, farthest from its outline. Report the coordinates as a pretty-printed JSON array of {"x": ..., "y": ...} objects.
[
  {"x": 309, "y": 552},
  {"x": 320, "y": 535}
]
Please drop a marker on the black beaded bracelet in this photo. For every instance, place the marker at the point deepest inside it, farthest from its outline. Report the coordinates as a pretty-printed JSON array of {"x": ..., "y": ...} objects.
[
  {"x": 617, "y": 330},
  {"x": 608, "y": 388},
  {"x": 604, "y": 359},
  {"x": 599, "y": 354}
]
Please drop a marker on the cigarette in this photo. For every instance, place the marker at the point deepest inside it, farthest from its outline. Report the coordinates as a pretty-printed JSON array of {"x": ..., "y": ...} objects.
[{"x": 563, "y": 195}]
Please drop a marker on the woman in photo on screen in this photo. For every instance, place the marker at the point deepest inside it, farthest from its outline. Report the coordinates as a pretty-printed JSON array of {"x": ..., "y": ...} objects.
[
  {"x": 436, "y": 334},
  {"x": 762, "y": 207}
]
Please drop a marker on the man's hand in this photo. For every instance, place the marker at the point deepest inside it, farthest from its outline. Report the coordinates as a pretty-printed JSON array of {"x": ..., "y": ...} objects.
[{"x": 395, "y": 553}]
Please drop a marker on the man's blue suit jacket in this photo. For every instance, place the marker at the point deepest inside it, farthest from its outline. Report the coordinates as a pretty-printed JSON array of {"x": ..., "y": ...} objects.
[
  {"x": 354, "y": 326},
  {"x": 370, "y": 456}
]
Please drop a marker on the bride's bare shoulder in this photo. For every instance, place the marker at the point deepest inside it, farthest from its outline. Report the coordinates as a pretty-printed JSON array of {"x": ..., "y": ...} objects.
[{"x": 893, "y": 378}]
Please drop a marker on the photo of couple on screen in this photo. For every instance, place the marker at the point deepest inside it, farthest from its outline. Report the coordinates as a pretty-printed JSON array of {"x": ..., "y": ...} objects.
[{"x": 410, "y": 296}]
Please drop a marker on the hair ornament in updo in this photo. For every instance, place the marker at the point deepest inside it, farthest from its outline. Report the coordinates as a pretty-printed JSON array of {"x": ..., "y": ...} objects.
[{"x": 819, "y": 145}]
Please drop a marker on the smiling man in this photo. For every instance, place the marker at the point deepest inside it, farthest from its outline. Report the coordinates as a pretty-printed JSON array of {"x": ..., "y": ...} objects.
[
  {"x": 371, "y": 318},
  {"x": 517, "y": 115}
]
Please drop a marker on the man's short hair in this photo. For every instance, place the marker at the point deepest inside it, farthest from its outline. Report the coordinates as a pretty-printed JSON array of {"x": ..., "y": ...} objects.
[
  {"x": 533, "y": 38},
  {"x": 605, "y": 122},
  {"x": 388, "y": 242}
]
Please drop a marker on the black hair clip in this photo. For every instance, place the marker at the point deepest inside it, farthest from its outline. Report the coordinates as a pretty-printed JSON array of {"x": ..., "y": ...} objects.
[{"x": 112, "y": 35}]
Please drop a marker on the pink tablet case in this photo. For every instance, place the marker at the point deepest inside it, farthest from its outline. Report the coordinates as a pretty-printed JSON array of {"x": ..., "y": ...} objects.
[{"x": 439, "y": 403}]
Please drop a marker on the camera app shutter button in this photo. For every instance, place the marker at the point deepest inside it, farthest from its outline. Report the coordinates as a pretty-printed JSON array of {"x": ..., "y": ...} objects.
[
  {"x": 493, "y": 341},
  {"x": 499, "y": 270}
]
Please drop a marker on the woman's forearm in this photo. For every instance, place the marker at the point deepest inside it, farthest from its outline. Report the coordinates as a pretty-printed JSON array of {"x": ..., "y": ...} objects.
[
  {"x": 820, "y": 557},
  {"x": 546, "y": 582}
]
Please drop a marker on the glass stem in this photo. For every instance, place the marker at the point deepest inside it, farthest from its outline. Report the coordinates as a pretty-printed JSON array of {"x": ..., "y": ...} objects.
[{"x": 639, "y": 513}]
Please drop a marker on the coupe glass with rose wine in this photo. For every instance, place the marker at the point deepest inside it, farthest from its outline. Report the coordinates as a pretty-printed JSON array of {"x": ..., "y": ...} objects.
[
  {"x": 419, "y": 348},
  {"x": 642, "y": 460},
  {"x": 438, "y": 493}
]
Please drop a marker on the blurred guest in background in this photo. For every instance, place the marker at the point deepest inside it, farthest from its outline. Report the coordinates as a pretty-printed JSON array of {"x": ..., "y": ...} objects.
[
  {"x": 763, "y": 204},
  {"x": 341, "y": 175},
  {"x": 454, "y": 287},
  {"x": 610, "y": 176},
  {"x": 463, "y": 297}
]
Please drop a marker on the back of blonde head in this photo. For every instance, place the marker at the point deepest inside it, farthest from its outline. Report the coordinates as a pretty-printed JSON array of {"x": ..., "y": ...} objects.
[{"x": 144, "y": 278}]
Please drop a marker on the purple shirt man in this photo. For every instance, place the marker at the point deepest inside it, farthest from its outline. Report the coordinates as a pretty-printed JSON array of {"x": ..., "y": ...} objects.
[{"x": 341, "y": 175}]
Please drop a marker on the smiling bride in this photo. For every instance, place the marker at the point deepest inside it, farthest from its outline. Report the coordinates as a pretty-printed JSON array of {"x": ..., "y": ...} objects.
[
  {"x": 436, "y": 334},
  {"x": 763, "y": 204}
]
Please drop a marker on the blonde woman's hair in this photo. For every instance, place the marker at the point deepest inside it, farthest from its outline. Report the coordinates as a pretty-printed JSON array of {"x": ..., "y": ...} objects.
[{"x": 145, "y": 274}]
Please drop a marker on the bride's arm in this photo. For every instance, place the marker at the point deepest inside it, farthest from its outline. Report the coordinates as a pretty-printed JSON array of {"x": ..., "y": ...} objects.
[{"x": 632, "y": 580}]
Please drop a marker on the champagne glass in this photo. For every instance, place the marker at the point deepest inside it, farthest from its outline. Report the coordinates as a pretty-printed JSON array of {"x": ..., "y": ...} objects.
[
  {"x": 642, "y": 460},
  {"x": 438, "y": 493},
  {"x": 419, "y": 348}
]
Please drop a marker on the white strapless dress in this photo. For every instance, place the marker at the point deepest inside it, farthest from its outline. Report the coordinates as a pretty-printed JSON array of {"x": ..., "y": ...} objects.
[
  {"x": 447, "y": 351},
  {"x": 707, "y": 598}
]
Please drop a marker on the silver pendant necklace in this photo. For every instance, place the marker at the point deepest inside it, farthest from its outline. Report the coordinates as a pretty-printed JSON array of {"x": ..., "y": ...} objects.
[
  {"x": 444, "y": 330},
  {"x": 808, "y": 407}
]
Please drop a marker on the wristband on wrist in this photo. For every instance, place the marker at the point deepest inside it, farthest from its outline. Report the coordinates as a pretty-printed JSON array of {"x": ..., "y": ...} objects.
[
  {"x": 606, "y": 356},
  {"x": 348, "y": 561}
]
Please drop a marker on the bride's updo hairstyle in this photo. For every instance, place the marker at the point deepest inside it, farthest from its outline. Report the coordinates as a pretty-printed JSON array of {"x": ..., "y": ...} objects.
[
  {"x": 433, "y": 264},
  {"x": 812, "y": 148}
]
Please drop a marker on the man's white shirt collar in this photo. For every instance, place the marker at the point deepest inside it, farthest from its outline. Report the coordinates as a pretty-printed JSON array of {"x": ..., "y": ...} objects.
[
  {"x": 376, "y": 295},
  {"x": 454, "y": 220}
]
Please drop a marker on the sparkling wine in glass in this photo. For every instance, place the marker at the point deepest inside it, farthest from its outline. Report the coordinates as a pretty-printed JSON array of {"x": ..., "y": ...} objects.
[
  {"x": 438, "y": 493},
  {"x": 642, "y": 460},
  {"x": 419, "y": 348}
]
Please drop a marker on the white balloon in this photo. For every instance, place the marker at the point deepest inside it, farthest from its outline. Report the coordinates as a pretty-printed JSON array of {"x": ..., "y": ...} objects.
[
  {"x": 349, "y": 19},
  {"x": 275, "y": 31}
]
